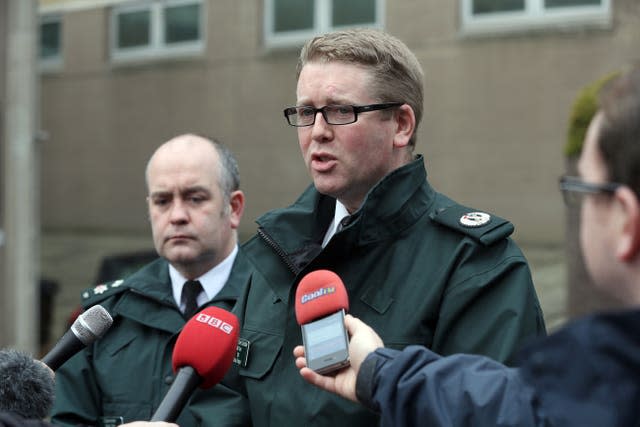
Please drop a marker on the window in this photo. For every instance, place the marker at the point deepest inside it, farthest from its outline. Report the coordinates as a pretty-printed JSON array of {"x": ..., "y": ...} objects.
[
  {"x": 292, "y": 22},
  {"x": 50, "y": 45},
  {"x": 491, "y": 16},
  {"x": 157, "y": 29}
]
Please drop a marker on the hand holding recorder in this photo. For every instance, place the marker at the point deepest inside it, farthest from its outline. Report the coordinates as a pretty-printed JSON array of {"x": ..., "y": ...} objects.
[
  {"x": 321, "y": 302},
  {"x": 363, "y": 341}
]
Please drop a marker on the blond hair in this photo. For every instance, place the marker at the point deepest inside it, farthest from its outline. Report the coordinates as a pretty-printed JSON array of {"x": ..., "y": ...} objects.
[{"x": 395, "y": 70}]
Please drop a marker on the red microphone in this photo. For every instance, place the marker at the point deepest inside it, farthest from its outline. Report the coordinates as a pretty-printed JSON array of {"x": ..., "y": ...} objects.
[
  {"x": 321, "y": 302},
  {"x": 320, "y": 293},
  {"x": 202, "y": 355}
]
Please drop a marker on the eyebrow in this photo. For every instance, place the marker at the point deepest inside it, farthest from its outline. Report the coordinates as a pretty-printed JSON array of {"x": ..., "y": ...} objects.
[
  {"x": 329, "y": 101},
  {"x": 186, "y": 191}
]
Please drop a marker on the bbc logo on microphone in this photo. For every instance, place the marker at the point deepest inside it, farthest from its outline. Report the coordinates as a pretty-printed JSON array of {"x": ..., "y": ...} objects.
[{"x": 215, "y": 322}]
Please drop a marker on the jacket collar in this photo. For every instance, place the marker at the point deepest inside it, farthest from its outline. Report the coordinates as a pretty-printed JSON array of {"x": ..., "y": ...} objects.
[
  {"x": 388, "y": 208},
  {"x": 150, "y": 299},
  {"x": 393, "y": 204},
  {"x": 153, "y": 281}
]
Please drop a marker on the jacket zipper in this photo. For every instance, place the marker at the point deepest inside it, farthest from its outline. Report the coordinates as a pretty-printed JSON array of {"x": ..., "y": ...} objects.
[{"x": 278, "y": 250}]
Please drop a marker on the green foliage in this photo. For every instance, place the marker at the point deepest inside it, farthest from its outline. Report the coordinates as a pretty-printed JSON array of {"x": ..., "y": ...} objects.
[{"x": 584, "y": 108}]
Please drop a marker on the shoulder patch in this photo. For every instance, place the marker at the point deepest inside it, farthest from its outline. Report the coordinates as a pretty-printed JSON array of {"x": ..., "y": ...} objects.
[
  {"x": 481, "y": 226},
  {"x": 94, "y": 295}
]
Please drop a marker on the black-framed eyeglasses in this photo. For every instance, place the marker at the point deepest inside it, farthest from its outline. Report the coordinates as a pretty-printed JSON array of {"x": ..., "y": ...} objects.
[
  {"x": 573, "y": 188},
  {"x": 332, "y": 114}
]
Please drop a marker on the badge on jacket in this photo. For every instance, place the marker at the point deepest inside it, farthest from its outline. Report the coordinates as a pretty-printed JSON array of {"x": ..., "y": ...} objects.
[
  {"x": 242, "y": 352},
  {"x": 475, "y": 219}
]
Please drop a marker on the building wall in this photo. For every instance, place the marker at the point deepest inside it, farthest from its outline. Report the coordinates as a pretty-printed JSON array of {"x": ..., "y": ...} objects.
[{"x": 496, "y": 111}]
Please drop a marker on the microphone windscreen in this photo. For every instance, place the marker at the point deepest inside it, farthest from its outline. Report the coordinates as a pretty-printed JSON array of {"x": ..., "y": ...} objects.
[
  {"x": 208, "y": 344},
  {"x": 319, "y": 294},
  {"x": 26, "y": 385},
  {"x": 92, "y": 324}
]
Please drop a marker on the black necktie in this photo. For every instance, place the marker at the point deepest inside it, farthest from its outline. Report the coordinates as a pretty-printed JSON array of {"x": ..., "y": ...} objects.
[
  {"x": 190, "y": 292},
  {"x": 343, "y": 223}
]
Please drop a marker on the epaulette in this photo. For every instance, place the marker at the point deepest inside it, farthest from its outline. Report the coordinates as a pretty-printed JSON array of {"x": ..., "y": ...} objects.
[
  {"x": 92, "y": 296},
  {"x": 481, "y": 226}
]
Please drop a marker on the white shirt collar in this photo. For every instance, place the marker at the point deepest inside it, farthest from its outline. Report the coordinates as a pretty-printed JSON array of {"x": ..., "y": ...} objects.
[
  {"x": 340, "y": 213},
  {"x": 212, "y": 281}
]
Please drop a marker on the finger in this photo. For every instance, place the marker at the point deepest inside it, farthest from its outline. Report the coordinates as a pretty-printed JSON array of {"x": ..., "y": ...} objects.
[
  {"x": 298, "y": 351},
  {"x": 301, "y": 362},
  {"x": 316, "y": 379},
  {"x": 351, "y": 324}
]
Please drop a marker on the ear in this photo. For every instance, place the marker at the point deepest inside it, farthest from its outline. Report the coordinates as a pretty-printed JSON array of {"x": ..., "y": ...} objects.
[
  {"x": 628, "y": 224},
  {"x": 236, "y": 205},
  {"x": 406, "y": 125}
]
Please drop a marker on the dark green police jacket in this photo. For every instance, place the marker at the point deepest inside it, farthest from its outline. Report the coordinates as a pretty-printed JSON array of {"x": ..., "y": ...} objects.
[
  {"x": 413, "y": 272},
  {"x": 124, "y": 375}
]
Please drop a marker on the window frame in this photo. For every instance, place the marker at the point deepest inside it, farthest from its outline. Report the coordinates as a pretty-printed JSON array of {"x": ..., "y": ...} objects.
[
  {"x": 51, "y": 63},
  {"x": 534, "y": 17},
  {"x": 157, "y": 47},
  {"x": 321, "y": 24}
]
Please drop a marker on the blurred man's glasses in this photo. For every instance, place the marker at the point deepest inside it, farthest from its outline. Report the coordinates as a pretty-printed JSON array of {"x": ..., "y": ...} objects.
[
  {"x": 333, "y": 114},
  {"x": 574, "y": 188}
]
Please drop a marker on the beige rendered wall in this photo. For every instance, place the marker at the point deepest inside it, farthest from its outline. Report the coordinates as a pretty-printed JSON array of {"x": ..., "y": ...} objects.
[
  {"x": 496, "y": 110},
  {"x": 104, "y": 120}
]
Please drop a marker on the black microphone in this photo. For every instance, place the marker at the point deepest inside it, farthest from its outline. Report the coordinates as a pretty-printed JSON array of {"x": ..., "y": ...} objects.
[
  {"x": 87, "y": 328},
  {"x": 26, "y": 385}
]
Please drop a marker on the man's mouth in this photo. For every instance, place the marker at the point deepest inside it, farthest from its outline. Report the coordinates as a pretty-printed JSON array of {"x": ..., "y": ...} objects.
[
  {"x": 322, "y": 162},
  {"x": 179, "y": 237}
]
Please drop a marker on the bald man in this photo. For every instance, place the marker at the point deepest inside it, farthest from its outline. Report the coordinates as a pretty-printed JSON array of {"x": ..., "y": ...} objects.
[{"x": 195, "y": 206}]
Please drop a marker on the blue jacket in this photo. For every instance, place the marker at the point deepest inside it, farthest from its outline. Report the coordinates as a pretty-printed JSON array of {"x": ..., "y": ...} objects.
[{"x": 587, "y": 374}]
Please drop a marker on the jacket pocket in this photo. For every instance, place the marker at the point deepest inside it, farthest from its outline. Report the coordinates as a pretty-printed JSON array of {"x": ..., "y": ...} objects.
[
  {"x": 377, "y": 300},
  {"x": 114, "y": 343},
  {"x": 264, "y": 348}
]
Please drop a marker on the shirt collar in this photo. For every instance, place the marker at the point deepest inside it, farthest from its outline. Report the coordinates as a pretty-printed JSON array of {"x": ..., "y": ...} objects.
[
  {"x": 212, "y": 281},
  {"x": 340, "y": 213}
]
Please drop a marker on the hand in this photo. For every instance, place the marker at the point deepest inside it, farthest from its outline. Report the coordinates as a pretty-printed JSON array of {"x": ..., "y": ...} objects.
[{"x": 363, "y": 340}]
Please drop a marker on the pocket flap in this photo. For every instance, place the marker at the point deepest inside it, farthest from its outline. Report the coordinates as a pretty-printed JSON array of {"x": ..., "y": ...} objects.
[
  {"x": 264, "y": 348},
  {"x": 111, "y": 344}
]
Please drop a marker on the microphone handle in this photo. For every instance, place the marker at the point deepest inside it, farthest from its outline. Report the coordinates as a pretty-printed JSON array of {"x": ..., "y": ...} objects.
[
  {"x": 66, "y": 347},
  {"x": 176, "y": 398}
]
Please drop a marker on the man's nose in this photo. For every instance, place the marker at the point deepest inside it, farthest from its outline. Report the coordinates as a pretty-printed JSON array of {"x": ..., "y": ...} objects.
[
  {"x": 321, "y": 130},
  {"x": 179, "y": 212}
]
